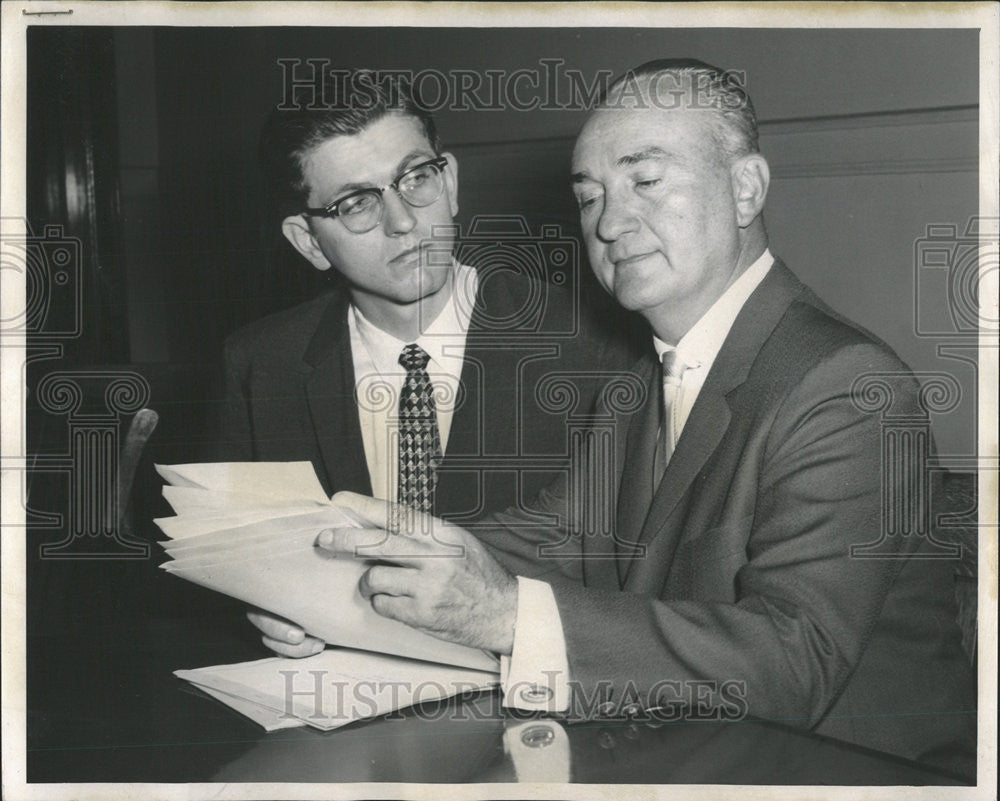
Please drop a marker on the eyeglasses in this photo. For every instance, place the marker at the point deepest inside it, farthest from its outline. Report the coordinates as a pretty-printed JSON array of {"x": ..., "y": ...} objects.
[{"x": 361, "y": 211}]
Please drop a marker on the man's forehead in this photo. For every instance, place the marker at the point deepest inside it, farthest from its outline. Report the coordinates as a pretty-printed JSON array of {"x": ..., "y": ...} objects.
[
  {"x": 627, "y": 136},
  {"x": 376, "y": 151},
  {"x": 388, "y": 132}
]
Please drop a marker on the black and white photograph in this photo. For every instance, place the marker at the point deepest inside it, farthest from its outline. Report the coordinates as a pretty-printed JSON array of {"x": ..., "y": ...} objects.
[{"x": 433, "y": 400}]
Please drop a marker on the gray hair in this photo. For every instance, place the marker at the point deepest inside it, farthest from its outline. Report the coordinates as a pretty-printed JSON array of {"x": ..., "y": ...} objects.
[{"x": 698, "y": 86}]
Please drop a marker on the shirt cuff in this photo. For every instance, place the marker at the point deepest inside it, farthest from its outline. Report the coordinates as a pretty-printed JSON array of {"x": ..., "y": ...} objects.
[{"x": 535, "y": 677}]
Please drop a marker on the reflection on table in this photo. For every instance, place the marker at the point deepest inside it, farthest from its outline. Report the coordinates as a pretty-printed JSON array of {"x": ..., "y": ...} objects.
[
  {"x": 104, "y": 706},
  {"x": 471, "y": 740}
]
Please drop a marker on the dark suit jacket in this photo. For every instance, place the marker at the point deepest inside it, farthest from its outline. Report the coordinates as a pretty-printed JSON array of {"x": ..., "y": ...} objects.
[
  {"x": 746, "y": 574},
  {"x": 291, "y": 396}
]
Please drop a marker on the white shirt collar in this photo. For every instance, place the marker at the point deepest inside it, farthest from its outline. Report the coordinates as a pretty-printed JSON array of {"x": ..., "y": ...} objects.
[
  {"x": 702, "y": 343},
  {"x": 439, "y": 339}
]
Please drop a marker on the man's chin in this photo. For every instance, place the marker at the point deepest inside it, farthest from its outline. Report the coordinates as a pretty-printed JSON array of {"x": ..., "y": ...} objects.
[
  {"x": 424, "y": 287},
  {"x": 634, "y": 295}
]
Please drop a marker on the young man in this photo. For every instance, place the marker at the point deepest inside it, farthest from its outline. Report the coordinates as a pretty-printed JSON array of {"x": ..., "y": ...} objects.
[
  {"x": 740, "y": 486},
  {"x": 416, "y": 379}
]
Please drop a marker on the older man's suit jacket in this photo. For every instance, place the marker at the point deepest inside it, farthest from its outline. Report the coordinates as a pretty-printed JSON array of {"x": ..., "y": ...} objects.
[
  {"x": 746, "y": 576},
  {"x": 290, "y": 392}
]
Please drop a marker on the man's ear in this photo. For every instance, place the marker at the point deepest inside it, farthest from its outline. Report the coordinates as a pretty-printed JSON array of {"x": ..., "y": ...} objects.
[
  {"x": 297, "y": 231},
  {"x": 750, "y": 178},
  {"x": 451, "y": 182}
]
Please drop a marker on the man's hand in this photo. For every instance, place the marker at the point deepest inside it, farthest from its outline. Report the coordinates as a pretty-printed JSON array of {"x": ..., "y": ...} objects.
[
  {"x": 284, "y": 637},
  {"x": 429, "y": 574}
]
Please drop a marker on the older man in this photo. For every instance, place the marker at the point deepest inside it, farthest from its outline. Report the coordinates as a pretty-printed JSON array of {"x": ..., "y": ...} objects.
[{"x": 740, "y": 485}]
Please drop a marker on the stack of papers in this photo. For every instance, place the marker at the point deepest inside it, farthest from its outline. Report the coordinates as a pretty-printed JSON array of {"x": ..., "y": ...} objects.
[
  {"x": 248, "y": 529},
  {"x": 332, "y": 688}
]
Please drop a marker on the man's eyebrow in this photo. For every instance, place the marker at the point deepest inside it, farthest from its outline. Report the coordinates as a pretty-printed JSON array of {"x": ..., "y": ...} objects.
[
  {"x": 401, "y": 167},
  {"x": 422, "y": 153},
  {"x": 645, "y": 154},
  {"x": 629, "y": 159}
]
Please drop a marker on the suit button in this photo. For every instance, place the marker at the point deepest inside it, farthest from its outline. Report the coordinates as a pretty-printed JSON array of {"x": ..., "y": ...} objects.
[
  {"x": 538, "y": 736},
  {"x": 535, "y": 694}
]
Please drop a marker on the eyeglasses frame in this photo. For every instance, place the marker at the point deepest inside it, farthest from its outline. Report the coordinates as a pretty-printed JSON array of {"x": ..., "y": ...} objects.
[{"x": 331, "y": 210}]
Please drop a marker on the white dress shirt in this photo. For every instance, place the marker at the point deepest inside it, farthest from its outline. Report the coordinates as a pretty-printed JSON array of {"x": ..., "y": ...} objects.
[
  {"x": 698, "y": 348},
  {"x": 379, "y": 378},
  {"x": 378, "y": 381},
  {"x": 539, "y": 658}
]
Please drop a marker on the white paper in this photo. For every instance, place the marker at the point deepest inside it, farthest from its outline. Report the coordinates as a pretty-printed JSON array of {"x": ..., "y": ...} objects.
[
  {"x": 338, "y": 686},
  {"x": 194, "y": 500},
  {"x": 266, "y": 718},
  {"x": 197, "y": 530},
  {"x": 320, "y": 593},
  {"x": 295, "y": 480},
  {"x": 269, "y": 560}
]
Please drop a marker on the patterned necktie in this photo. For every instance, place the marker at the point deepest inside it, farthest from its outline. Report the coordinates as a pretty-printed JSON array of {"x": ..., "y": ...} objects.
[
  {"x": 419, "y": 438},
  {"x": 671, "y": 370}
]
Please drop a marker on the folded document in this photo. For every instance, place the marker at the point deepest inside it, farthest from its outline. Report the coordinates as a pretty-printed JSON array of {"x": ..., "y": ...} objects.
[
  {"x": 332, "y": 688},
  {"x": 248, "y": 529}
]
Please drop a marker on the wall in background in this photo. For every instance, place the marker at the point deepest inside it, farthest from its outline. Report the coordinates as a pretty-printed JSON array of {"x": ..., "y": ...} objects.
[{"x": 872, "y": 136}]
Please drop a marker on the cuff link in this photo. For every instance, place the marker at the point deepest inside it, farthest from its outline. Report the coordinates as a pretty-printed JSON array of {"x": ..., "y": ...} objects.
[
  {"x": 536, "y": 694},
  {"x": 538, "y": 736}
]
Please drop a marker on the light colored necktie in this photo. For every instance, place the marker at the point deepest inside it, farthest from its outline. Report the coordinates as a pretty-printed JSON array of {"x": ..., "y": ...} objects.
[
  {"x": 671, "y": 370},
  {"x": 419, "y": 437}
]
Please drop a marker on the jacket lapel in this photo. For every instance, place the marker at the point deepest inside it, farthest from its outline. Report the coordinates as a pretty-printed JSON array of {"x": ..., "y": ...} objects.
[
  {"x": 711, "y": 415},
  {"x": 468, "y": 426},
  {"x": 329, "y": 391},
  {"x": 635, "y": 493},
  {"x": 471, "y": 431}
]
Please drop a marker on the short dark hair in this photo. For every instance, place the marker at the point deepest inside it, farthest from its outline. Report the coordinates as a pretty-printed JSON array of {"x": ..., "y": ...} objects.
[
  {"x": 717, "y": 90},
  {"x": 345, "y": 107}
]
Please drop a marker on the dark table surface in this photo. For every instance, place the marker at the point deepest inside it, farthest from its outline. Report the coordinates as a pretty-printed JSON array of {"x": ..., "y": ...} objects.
[{"x": 103, "y": 706}]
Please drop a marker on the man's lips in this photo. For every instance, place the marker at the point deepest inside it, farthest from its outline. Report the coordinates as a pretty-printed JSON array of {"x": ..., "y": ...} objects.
[
  {"x": 626, "y": 261},
  {"x": 411, "y": 254}
]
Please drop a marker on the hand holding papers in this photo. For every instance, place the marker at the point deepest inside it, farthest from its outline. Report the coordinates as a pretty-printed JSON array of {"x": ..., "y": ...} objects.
[
  {"x": 265, "y": 555},
  {"x": 249, "y": 530},
  {"x": 430, "y": 574}
]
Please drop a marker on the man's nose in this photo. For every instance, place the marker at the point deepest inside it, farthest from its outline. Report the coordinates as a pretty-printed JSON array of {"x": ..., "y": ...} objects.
[
  {"x": 617, "y": 218},
  {"x": 398, "y": 215}
]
